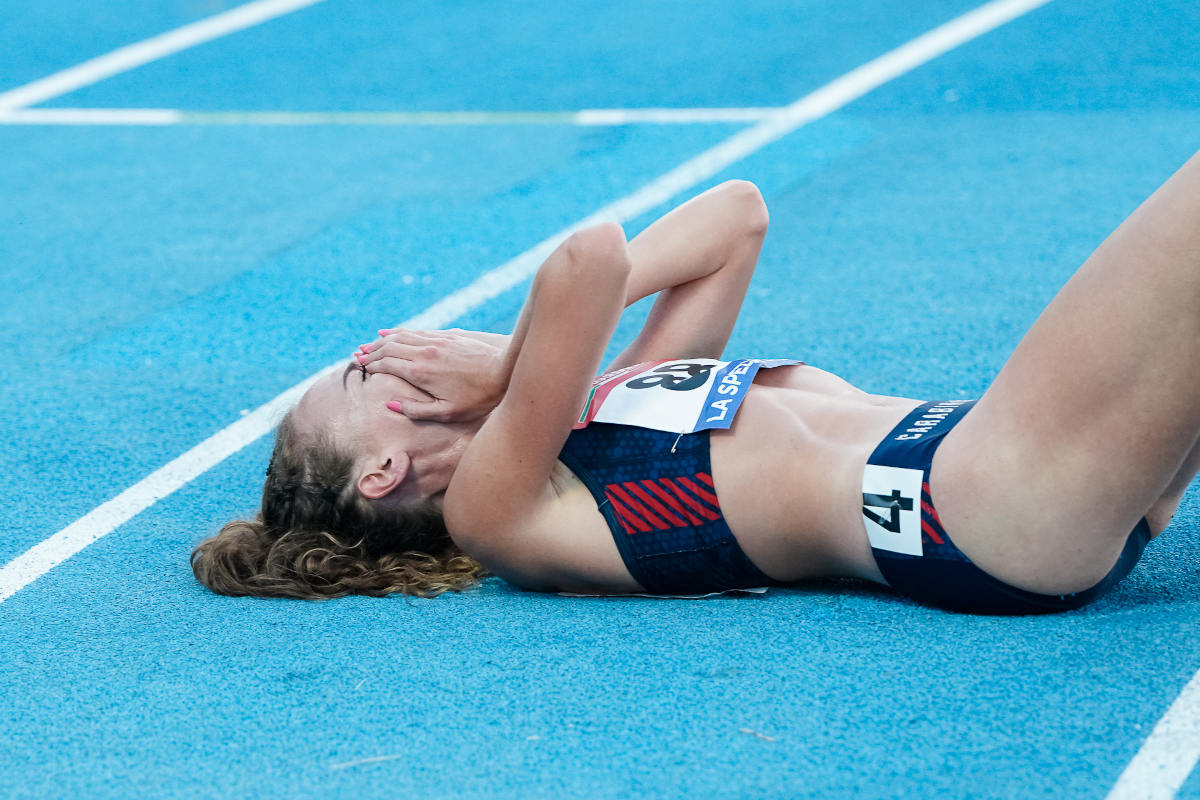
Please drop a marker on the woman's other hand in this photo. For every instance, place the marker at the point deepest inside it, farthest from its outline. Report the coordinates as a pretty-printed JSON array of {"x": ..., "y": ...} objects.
[{"x": 463, "y": 371}]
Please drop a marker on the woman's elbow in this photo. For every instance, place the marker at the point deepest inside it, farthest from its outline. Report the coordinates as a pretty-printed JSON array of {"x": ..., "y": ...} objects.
[
  {"x": 592, "y": 262},
  {"x": 601, "y": 245},
  {"x": 747, "y": 206}
]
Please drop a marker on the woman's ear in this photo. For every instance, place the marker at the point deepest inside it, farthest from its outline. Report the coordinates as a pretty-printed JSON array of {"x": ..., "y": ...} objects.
[{"x": 381, "y": 479}]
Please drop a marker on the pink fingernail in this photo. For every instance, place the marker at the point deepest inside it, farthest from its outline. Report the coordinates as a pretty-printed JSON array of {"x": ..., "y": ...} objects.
[
  {"x": 393, "y": 405},
  {"x": 361, "y": 359},
  {"x": 384, "y": 331},
  {"x": 366, "y": 348}
]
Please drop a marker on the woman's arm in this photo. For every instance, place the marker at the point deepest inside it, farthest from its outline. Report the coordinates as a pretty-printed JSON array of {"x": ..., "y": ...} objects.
[
  {"x": 569, "y": 316},
  {"x": 699, "y": 258}
]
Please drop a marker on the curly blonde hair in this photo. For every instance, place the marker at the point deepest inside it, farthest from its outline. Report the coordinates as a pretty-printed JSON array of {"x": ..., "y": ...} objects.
[{"x": 316, "y": 537}]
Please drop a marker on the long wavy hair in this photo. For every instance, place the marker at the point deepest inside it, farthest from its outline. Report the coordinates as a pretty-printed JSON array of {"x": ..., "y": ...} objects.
[{"x": 316, "y": 537}]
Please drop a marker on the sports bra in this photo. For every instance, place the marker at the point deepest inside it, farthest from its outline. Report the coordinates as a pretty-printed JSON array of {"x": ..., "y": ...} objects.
[{"x": 656, "y": 492}]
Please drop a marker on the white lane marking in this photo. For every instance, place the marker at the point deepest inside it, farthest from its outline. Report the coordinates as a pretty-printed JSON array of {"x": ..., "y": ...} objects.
[
  {"x": 101, "y": 521},
  {"x": 90, "y": 116},
  {"x": 668, "y": 116},
  {"x": 143, "y": 52},
  {"x": 372, "y": 760},
  {"x": 1168, "y": 755},
  {"x": 587, "y": 116}
]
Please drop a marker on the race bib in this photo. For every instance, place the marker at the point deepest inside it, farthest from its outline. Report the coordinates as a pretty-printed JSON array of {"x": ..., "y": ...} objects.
[{"x": 682, "y": 395}]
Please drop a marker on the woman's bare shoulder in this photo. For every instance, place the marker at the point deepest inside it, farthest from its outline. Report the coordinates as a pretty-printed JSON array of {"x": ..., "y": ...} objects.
[{"x": 561, "y": 543}]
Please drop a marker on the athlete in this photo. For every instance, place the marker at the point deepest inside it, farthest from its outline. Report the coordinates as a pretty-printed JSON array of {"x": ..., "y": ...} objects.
[{"x": 436, "y": 456}]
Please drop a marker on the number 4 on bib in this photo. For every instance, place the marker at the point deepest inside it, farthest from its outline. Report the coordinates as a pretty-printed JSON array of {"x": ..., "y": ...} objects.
[{"x": 891, "y": 511}]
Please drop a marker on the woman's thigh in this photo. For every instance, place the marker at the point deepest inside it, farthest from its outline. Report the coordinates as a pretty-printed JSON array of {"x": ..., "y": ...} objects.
[{"x": 1095, "y": 412}]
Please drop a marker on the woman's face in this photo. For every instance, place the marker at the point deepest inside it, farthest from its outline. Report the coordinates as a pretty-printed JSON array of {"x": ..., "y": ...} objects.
[{"x": 351, "y": 406}]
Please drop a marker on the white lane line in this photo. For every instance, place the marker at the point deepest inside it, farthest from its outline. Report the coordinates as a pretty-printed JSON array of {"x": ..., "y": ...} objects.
[
  {"x": 143, "y": 52},
  {"x": 90, "y": 116},
  {"x": 1168, "y": 755},
  {"x": 43, "y": 557},
  {"x": 669, "y": 116},
  {"x": 587, "y": 116}
]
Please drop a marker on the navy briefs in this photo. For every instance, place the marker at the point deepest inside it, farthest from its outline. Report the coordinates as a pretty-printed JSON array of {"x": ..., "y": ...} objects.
[{"x": 913, "y": 550}]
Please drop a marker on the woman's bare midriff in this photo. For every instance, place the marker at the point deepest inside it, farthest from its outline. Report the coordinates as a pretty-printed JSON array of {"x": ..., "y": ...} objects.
[{"x": 789, "y": 472}]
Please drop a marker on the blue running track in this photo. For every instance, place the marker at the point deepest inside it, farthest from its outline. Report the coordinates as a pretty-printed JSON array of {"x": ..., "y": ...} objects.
[{"x": 159, "y": 282}]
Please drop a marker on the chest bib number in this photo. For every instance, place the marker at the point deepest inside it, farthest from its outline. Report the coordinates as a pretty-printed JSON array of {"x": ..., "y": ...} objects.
[{"x": 681, "y": 395}]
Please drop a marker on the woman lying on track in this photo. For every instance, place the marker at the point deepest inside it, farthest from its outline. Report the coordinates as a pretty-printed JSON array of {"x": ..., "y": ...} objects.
[{"x": 436, "y": 455}]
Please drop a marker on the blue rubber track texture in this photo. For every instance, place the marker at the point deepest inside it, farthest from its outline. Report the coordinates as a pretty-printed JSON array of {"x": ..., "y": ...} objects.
[
  {"x": 38, "y": 39},
  {"x": 378, "y": 55},
  {"x": 158, "y": 281}
]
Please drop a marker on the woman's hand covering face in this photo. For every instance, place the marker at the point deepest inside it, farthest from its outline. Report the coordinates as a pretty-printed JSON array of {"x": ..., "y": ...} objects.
[{"x": 463, "y": 371}]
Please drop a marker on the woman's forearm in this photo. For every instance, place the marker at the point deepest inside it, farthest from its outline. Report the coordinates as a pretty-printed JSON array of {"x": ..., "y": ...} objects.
[
  {"x": 581, "y": 287},
  {"x": 515, "y": 342},
  {"x": 695, "y": 239},
  {"x": 703, "y": 242},
  {"x": 699, "y": 259}
]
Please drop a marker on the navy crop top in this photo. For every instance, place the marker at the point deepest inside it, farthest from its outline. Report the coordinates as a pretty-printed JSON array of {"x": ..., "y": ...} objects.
[{"x": 655, "y": 490}]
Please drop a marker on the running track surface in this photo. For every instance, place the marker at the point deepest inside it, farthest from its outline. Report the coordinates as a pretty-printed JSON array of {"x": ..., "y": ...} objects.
[{"x": 159, "y": 282}]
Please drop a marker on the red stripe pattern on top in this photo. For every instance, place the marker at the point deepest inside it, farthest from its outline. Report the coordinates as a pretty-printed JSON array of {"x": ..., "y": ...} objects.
[{"x": 664, "y": 503}]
